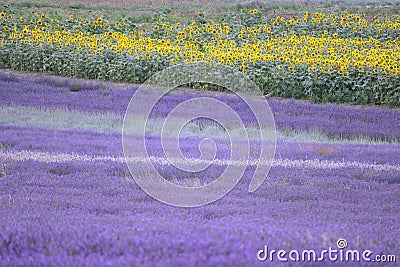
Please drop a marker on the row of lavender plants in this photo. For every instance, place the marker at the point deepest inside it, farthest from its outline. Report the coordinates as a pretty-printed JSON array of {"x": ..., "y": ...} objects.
[{"x": 331, "y": 119}]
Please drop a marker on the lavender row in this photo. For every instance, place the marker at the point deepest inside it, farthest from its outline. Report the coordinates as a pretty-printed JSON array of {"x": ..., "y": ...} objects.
[
  {"x": 84, "y": 142},
  {"x": 93, "y": 216},
  {"x": 291, "y": 115}
]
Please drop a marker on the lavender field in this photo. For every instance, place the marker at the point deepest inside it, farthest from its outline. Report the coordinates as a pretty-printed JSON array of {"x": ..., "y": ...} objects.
[{"x": 67, "y": 197}]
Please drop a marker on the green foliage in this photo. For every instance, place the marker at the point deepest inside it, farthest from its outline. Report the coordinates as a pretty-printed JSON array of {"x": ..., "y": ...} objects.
[{"x": 351, "y": 86}]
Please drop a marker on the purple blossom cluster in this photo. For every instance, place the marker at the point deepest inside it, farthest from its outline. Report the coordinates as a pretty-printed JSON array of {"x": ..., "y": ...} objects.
[{"x": 89, "y": 214}]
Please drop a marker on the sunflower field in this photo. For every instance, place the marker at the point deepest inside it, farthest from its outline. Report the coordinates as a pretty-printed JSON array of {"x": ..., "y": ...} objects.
[{"x": 338, "y": 57}]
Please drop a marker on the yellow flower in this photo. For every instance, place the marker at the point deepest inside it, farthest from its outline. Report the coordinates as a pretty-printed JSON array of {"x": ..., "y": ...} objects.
[
  {"x": 99, "y": 20},
  {"x": 71, "y": 16}
]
